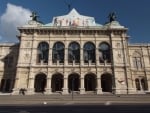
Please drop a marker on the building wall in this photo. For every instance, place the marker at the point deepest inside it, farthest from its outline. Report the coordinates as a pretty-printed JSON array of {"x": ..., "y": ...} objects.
[
  {"x": 126, "y": 77},
  {"x": 8, "y": 62},
  {"x": 118, "y": 68},
  {"x": 140, "y": 69}
]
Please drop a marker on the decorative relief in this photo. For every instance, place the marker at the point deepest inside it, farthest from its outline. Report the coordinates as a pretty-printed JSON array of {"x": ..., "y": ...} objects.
[
  {"x": 89, "y": 69},
  {"x": 26, "y": 55},
  {"x": 27, "y": 44},
  {"x": 118, "y": 45},
  {"x": 119, "y": 56},
  {"x": 105, "y": 69},
  {"x": 72, "y": 69},
  {"x": 56, "y": 70},
  {"x": 121, "y": 81},
  {"x": 41, "y": 70}
]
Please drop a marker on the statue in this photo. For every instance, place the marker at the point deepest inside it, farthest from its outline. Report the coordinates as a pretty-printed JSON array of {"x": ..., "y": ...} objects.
[
  {"x": 112, "y": 16},
  {"x": 68, "y": 5},
  {"x": 34, "y": 16}
]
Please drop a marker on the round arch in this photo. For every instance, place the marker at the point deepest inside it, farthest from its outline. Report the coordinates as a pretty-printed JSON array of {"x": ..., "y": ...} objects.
[
  {"x": 74, "y": 82},
  {"x": 104, "y": 51},
  {"x": 90, "y": 82},
  {"x": 106, "y": 82},
  {"x": 42, "y": 52},
  {"x": 40, "y": 82},
  {"x": 144, "y": 83},
  {"x": 74, "y": 52},
  {"x": 57, "y": 82},
  {"x": 58, "y": 52},
  {"x": 89, "y": 52}
]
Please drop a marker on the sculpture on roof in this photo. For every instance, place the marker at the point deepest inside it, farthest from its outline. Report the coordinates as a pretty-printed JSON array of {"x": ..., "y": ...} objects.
[
  {"x": 112, "y": 16},
  {"x": 69, "y": 5},
  {"x": 34, "y": 16}
]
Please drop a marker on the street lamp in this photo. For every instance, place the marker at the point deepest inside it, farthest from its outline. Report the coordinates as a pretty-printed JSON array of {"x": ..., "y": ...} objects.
[{"x": 72, "y": 87}]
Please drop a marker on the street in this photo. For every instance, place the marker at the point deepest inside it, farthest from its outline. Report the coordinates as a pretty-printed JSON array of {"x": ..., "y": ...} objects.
[{"x": 133, "y": 108}]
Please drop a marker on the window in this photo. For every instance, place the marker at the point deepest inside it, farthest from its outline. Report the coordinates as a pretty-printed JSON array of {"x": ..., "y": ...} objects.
[
  {"x": 74, "y": 52},
  {"x": 104, "y": 50},
  {"x": 58, "y": 52},
  {"x": 137, "y": 62},
  {"x": 89, "y": 52},
  {"x": 141, "y": 83},
  {"x": 9, "y": 61},
  {"x": 137, "y": 83},
  {"x": 43, "y": 51}
]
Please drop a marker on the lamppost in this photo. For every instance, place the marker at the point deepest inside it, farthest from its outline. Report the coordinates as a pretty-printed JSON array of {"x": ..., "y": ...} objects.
[{"x": 72, "y": 87}]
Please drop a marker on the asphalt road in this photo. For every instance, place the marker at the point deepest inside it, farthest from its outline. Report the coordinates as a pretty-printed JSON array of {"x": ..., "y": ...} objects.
[{"x": 136, "y": 108}]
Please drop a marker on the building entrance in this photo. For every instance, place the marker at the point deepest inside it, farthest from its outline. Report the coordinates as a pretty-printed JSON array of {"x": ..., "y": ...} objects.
[
  {"x": 5, "y": 85},
  {"x": 73, "y": 82},
  {"x": 90, "y": 82},
  {"x": 106, "y": 83},
  {"x": 40, "y": 83},
  {"x": 57, "y": 83}
]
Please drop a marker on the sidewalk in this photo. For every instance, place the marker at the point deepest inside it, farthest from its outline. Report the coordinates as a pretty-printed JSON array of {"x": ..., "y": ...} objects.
[{"x": 75, "y": 99}]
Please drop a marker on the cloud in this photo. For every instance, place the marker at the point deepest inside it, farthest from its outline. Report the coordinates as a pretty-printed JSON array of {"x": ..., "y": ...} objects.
[{"x": 13, "y": 17}]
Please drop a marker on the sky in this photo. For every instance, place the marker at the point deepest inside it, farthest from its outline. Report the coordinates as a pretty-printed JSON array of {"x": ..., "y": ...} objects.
[{"x": 133, "y": 14}]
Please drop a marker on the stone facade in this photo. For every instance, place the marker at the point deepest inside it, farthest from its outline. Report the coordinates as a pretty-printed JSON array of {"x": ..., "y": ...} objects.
[{"x": 61, "y": 57}]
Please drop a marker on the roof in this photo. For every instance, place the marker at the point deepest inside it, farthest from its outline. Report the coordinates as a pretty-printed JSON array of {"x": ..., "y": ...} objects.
[{"x": 74, "y": 19}]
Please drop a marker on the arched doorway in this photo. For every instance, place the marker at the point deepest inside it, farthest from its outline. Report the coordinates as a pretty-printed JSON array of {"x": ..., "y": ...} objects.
[
  {"x": 144, "y": 83},
  {"x": 40, "y": 83},
  {"x": 106, "y": 83},
  {"x": 137, "y": 83},
  {"x": 73, "y": 82},
  {"x": 6, "y": 85},
  {"x": 57, "y": 82},
  {"x": 90, "y": 82}
]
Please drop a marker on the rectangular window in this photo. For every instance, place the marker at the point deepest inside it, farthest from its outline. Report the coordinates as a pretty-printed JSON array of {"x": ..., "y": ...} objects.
[{"x": 137, "y": 63}]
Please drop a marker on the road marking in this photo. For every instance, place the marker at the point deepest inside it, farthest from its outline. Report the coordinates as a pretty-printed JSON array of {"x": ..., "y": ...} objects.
[
  {"x": 107, "y": 103},
  {"x": 69, "y": 103}
]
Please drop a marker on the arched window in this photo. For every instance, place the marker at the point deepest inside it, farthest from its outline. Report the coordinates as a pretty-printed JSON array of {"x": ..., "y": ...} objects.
[
  {"x": 74, "y": 52},
  {"x": 104, "y": 50},
  {"x": 144, "y": 83},
  {"x": 89, "y": 52},
  {"x": 58, "y": 52},
  {"x": 43, "y": 50},
  {"x": 137, "y": 61},
  {"x": 141, "y": 83},
  {"x": 137, "y": 83}
]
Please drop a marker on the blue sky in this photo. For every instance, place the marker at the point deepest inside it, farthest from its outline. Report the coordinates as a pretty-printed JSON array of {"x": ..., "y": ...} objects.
[{"x": 133, "y": 14}]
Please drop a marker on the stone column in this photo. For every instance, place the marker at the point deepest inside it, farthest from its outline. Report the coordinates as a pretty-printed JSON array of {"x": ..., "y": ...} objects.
[
  {"x": 99, "y": 89},
  {"x": 81, "y": 55},
  {"x": 48, "y": 86},
  {"x": 16, "y": 87},
  {"x": 30, "y": 89},
  {"x": 50, "y": 53},
  {"x": 66, "y": 56},
  {"x": 82, "y": 88},
  {"x": 148, "y": 82},
  {"x": 97, "y": 56},
  {"x": 65, "y": 88}
]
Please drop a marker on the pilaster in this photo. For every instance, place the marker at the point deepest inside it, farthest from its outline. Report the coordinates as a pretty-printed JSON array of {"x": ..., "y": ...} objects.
[
  {"x": 82, "y": 88},
  {"x": 99, "y": 89},
  {"x": 48, "y": 89},
  {"x": 65, "y": 88}
]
